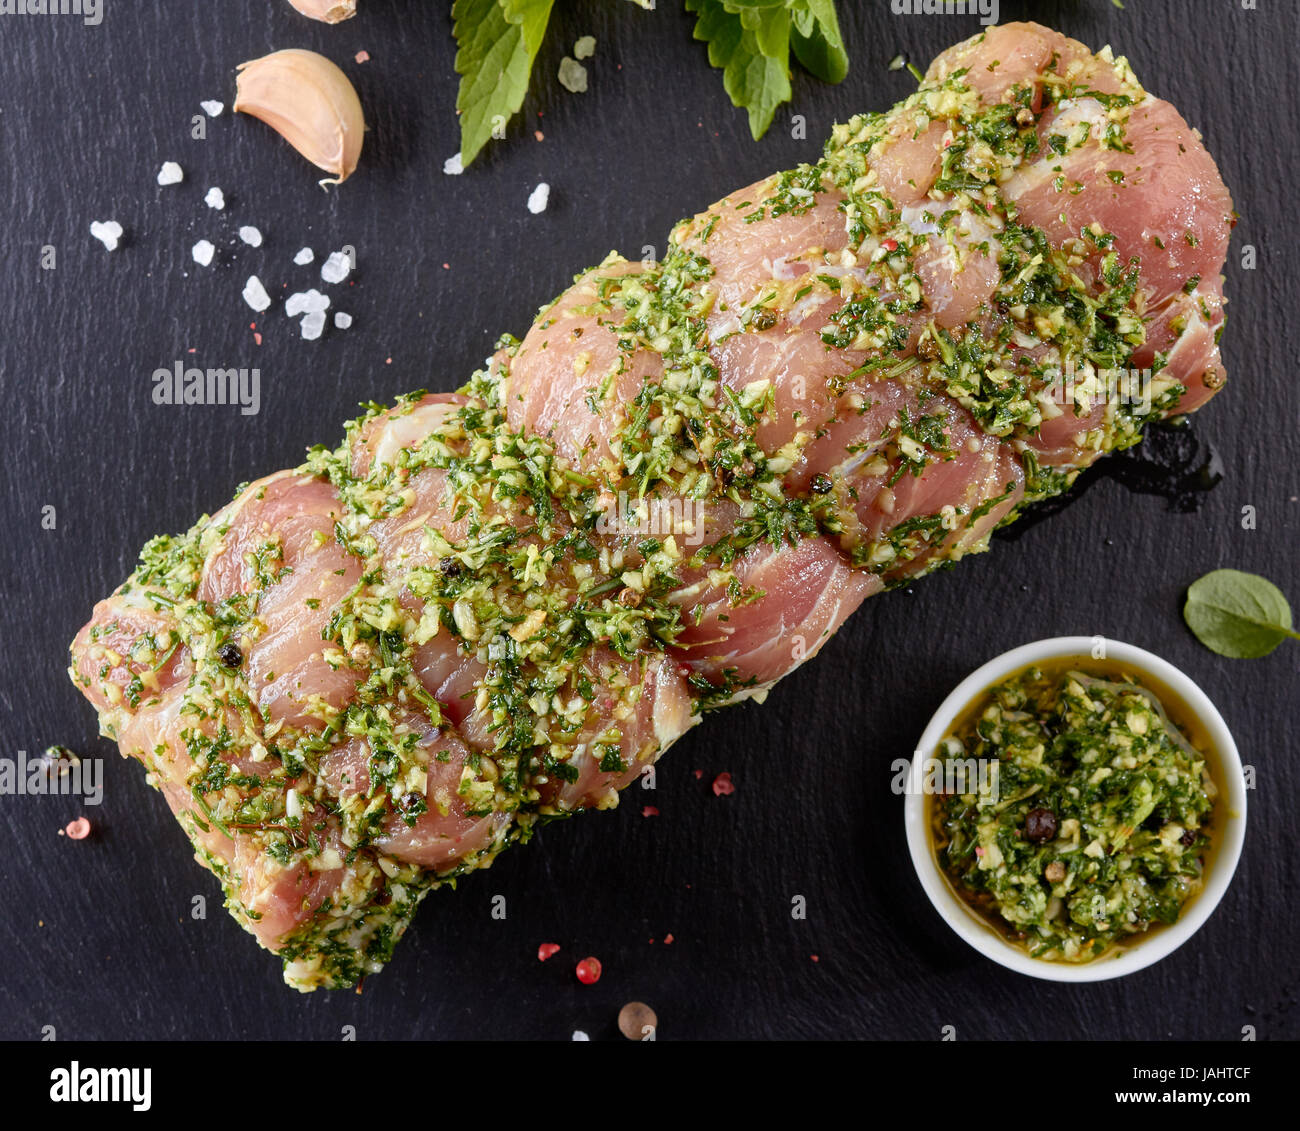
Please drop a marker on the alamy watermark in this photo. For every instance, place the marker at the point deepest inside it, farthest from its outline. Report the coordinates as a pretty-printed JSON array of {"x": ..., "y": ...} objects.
[
  {"x": 1087, "y": 386},
  {"x": 90, "y": 11},
  {"x": 654, "y": 517},
  {"x": 52, "y": 775},
  {"x": 987, "y": 10},
  {"x": 86, "y": 1084},
  {"x": 947, "y": 775},
  {"x": 192, "y": 386}
]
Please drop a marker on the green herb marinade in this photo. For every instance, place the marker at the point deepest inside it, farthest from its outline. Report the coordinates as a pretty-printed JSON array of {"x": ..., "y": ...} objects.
[{"x": 1094, "y": 825}]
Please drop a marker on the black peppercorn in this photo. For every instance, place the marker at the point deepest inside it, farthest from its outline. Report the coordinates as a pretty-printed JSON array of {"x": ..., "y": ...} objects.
[
  {"x": 1040, "y": 825},
  {"x": 230, "y": 654}
]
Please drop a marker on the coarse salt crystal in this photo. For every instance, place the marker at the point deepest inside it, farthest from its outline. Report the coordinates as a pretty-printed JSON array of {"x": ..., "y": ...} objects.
[
  {"x": 306, "y": 302},
  {"x": 313, "y": 324},
  {"x": 342, "y": 320},
  {"x": 539, "y": 198},
  {"x": 579, "y": 1035},
  {"x": 255, "y": 294},
  {"x": 215, "y": 198},
  {"x": 250, "y": 236},
  {"x": 452, "y": 166},
  {"x": 335, "y": 269},
  {"x": 573, "y": 75},
  {"x": 305, "y": 256},
  {"x": 170, "y": 174},
  {"x": 211, "y": 107},
  {"x": 108, "y": 232},
  {"x": 203, "y": 252}
]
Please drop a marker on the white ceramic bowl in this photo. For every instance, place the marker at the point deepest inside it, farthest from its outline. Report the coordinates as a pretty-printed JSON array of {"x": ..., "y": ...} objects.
[{"x": 1229, "y": 817}]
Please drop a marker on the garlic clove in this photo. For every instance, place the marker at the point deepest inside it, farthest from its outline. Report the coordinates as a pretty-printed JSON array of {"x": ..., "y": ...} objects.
[
  {"x": 327, "y": 11},
  {"x": 310, "y": 103}
]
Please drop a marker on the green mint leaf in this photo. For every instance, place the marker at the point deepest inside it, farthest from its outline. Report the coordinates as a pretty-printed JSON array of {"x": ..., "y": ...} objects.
[
  {"x": 497, "y": 41},
  {"x": 816, "y": 39},
  {"x": 1236, "y": 614},
  {"x": 749, "y": 41}
]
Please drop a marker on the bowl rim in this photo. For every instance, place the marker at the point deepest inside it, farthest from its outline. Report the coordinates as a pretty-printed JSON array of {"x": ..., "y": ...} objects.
[{"x": 966, "y": 922}]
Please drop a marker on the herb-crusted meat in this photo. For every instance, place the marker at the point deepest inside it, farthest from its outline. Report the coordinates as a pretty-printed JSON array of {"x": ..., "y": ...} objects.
[{"x": 366, "y": 676}]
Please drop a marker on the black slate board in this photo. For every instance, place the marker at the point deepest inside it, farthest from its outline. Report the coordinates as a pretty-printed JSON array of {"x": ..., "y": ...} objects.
[{"x": 97, "y": 936}]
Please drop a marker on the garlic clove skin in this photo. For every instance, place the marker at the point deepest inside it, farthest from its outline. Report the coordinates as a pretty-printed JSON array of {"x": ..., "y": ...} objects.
[
  {"x": 327, "y": 11},
  {"x": 310, "y": 103}
]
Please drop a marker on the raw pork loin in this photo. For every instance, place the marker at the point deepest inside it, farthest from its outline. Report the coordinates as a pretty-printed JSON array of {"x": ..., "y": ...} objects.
[{"x": 483, "y": 610}]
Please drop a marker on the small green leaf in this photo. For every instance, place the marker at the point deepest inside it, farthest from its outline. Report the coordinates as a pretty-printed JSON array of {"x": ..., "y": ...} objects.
[
  {"x": 749, "y": 40},
  {"x": 816, "y": 39},
  {"x": 1236, "y": 614},
  {"x": 497, "y": 41}
]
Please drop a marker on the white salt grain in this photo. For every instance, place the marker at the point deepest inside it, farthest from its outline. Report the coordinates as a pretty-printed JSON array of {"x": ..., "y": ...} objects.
[
  {"x": 335, "y": 269},
  {"x": 579, "y": 1035},
  {"x": 108, "y": 232},
  {"x": 305, "y": 256},
  {"x": 313, "y": 325},
  {"x": 452, "y": 166},
  {"x": 250, "y": 236},
  {"x": 255, "y": 294},
  {"x": 170, "y": 174},
  {"x": 215, "y": 198},
  {"x": 539, "y": 198},
  {"x": 203, "y": 251},
  {"x": 585, "y": 48},
  {"x": 342, "y": 320},
  {"x": 573, "y": 76},
  {"x": 310, "y": 302},
  {"x": 212, "y": 108}
]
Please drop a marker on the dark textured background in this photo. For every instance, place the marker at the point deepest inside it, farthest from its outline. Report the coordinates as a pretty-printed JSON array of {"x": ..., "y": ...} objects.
[{"x": 96, "y": 935}]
